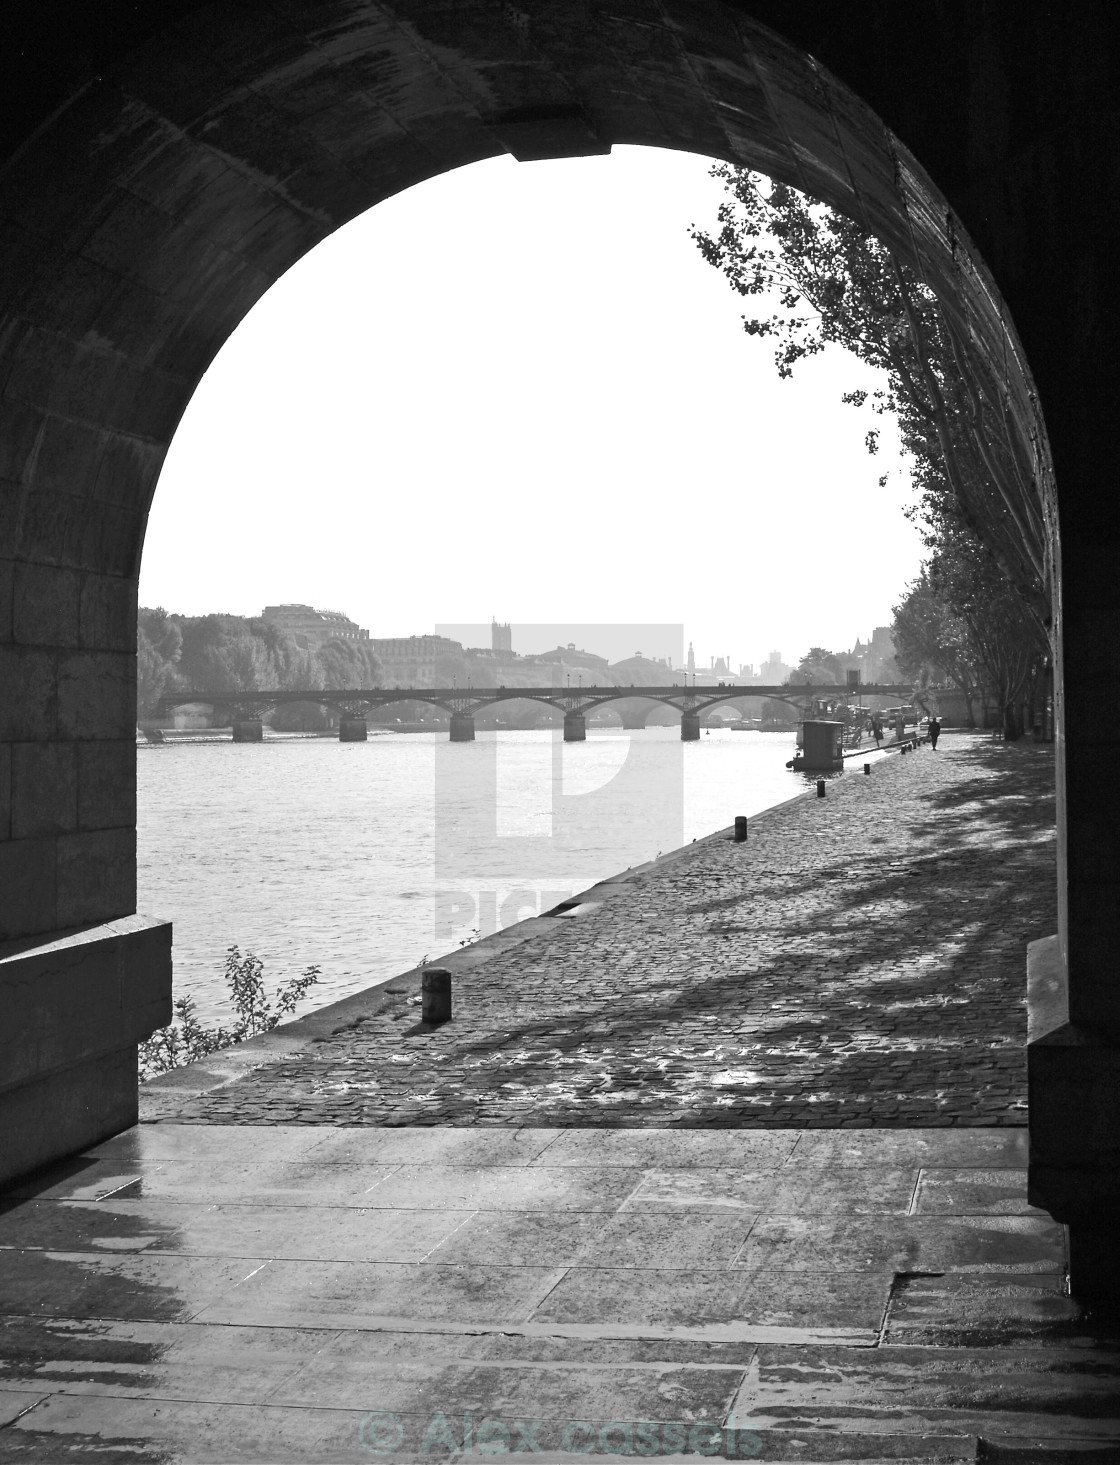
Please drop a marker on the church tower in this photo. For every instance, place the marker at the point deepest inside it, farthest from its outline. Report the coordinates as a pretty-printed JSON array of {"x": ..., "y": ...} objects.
[
  {"x": 691, "y": 663},
  {"x": 501, "y": 637}
]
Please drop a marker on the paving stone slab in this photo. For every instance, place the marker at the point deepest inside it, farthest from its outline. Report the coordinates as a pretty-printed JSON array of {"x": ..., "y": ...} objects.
[
  {"x": 14, "y": 1402},
  {"x": 994, "y": 1309},
  {"x": 928, "y": 1148},
  {"x": 342, "y": 1375},
  {"x": 422, "y": 1146},
  {"x": 511, "y": 1188},
  {"x": 340, "y": 1233},
  {"x": 669, "y": 1149},
  {"x": 846, "y": 1190},
  {"x": 708, "y": 1241},
  {"x": 973, "y": 1192},
  {"x": 838, "y": 1301},
  {"x": 1035, "y": 1396},
  {"x": 88, "y": 1285},
  {"x": 373, "y": 1294},
  {"x": 905, "y": 1244},
  {"x": 283, "y": 1184},
  {"x": 151, "y": 1359}
]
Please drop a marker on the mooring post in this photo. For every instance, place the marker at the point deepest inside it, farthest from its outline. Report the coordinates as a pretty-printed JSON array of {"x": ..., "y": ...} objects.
[
  {"x": 740, "y": 828},
  {"x": 435, "y": 988},
  {"x": 820, "y": 788},
  {"x": 867, "y": 768}
]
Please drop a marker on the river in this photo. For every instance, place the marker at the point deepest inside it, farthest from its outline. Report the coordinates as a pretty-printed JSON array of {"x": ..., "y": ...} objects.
[{"x": 361, "y": 858}]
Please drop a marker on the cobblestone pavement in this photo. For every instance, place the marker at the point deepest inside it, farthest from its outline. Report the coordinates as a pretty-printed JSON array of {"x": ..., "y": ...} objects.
[{"x": 860, "y": 961}]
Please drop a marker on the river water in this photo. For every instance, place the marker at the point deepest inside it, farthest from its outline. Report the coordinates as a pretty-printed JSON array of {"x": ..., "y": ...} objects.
[{"x": 362, "y": 858}]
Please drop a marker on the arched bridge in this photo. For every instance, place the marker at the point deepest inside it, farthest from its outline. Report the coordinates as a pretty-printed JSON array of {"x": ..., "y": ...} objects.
[{"x": 463, "y": 704}]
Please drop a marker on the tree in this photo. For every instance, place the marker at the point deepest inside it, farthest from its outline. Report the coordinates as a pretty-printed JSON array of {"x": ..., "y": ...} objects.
[
  {"x": 980, "y": 502},
  {"x": 819, "y": 668},
  {"x": 834, "y": 283},
  {"x": 933, "y": 644},
  {"x": 159, "y": 644}
]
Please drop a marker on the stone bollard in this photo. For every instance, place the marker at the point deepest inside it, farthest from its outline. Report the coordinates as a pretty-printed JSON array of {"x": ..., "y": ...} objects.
[
  {"x": 867, "y": 768},
  {"x": 435, "y": 986},
  {"x": 740, "y": 828},
  {"x": 820, "y": 788}
]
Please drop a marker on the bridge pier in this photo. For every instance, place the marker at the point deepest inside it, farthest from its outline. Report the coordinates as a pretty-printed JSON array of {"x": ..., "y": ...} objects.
[
  {"x": 352, "y": 729},
  {"x": 462, "y": 727},
  {"x": 248, "y": 730},
  {"x": 690, "y": 727},
  {"x": 575, "y": 727}
]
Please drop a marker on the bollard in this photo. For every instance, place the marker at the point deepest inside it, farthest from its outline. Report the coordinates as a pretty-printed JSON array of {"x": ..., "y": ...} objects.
[
  {"x": 435, "y": 985},
  {"x": 820, "y": 788},
  {"x": 867, "y": 768},
  {"x": 740, "y": 828}
]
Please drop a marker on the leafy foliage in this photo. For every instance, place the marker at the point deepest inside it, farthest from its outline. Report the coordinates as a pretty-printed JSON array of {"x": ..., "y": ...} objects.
[
  {"x": 224, "y": 653},
  {"x": 817, "y": 667},
  {"x": 820, "y": 279},
  {"x": 836, "y": 284},
  {"x": 186, "y": 1039}
]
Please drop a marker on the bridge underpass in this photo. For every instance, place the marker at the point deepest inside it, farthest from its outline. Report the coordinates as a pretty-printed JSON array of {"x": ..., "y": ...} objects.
[
  {"x": 162, "y": 165},
  {"x": 247, "y": 708}
]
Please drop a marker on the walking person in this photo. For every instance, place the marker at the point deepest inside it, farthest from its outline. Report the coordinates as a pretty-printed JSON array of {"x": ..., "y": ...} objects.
[
  {"x": 934, "y": 731},
  {"x": 877, "y": 730}
]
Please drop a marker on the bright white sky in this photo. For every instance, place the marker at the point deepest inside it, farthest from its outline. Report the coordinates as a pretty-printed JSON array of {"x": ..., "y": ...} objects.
[{"x": 517, "y": 390}]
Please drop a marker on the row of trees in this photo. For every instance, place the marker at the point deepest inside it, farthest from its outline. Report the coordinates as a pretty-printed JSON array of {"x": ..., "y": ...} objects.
[
  {"x": 979, "y": 611},
  {"x": 224, "y": 653}
]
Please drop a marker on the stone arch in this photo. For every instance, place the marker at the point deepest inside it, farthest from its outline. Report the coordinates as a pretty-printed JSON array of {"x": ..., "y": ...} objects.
[{"x": 161, "y": 165}]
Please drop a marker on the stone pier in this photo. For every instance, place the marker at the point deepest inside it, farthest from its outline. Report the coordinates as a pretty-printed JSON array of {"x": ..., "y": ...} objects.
[
  {"x": 462, "y": 727},
  {"x": 352, "y": 730},
  {"x": 248, "y": 730},
  {"x": 575, "y": 727},
  {"x": 690, "y": 727}
]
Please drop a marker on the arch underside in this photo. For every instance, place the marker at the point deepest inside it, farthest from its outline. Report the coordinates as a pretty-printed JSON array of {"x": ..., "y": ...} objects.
[
  {"x": 162, "y": 164},
  {"x": 181, "y": 182}
]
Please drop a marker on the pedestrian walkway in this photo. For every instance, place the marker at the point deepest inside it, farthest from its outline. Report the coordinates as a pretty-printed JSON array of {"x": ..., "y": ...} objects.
[
  {"x": 860, "y": 960},
  {"x": 303, "y": 1293}
]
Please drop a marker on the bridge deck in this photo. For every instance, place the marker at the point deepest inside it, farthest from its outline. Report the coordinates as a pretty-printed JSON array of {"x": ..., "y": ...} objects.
[{"x": 570, "y": 698}]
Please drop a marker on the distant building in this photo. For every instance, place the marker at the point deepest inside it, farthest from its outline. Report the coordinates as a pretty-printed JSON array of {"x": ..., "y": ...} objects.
[
  {"x": 311, "y": 628},
  {"x": 501, "y": 637},
  {"x": 415, "y": 661},
  {"x": 875, "y": 658},
  {"x": 593, "y": 668},
  {"x": 643, "y": 671},
  {"x": 773, "y": 671}
]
